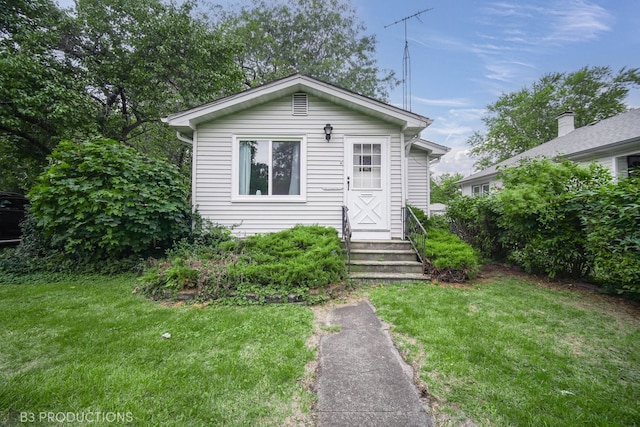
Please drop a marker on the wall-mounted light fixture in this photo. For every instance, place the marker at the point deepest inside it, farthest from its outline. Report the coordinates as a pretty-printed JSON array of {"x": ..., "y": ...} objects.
[{"x": 327, "y": 131}]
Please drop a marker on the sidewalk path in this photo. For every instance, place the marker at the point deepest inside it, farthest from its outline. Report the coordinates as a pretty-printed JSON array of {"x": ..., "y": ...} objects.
[{"x": 363, "y": 380}]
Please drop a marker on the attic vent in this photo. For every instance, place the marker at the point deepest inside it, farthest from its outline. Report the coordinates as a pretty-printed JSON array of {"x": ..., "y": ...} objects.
[{"x": 300, "y": 104}]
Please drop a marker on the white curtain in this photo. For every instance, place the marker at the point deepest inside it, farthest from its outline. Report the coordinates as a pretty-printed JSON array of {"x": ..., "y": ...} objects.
[
  {"x": 294, "y": 185},
  {"x": 245, "y": 167}
]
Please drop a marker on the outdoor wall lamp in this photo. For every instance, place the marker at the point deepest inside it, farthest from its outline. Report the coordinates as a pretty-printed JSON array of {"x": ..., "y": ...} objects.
[{"x": 327, "y": 131}]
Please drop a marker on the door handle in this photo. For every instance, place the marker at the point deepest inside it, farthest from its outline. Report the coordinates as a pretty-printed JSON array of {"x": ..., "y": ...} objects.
[{"x": 348, "y": 183}]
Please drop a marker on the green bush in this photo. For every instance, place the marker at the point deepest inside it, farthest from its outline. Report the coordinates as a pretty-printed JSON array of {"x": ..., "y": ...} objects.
[
  {"x": 539, "y": 212},
  {"x": 612, "y": 222},
  {"x": 474, "y": 219},
  {"x": 293, "y": 261},
  {"x": 446, "y": 256},
  {"x": 103, "y": 200}
]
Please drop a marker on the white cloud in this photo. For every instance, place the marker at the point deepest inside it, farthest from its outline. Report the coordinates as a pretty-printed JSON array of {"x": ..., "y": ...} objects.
[
  {"x": 456, "y": 160},
  {"x": 578, "y": 21}
]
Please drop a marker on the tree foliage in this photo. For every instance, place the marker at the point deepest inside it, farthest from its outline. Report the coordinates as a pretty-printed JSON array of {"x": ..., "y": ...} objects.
[
  {"x": 42, "y": 97},
  {"x": 521, "y": 120},
  {"x": 101, "y": 199},
  {"x": 320, "y": 38},
  {"x": 444, "y": 188},
  {"x": 110, "y": 68}
]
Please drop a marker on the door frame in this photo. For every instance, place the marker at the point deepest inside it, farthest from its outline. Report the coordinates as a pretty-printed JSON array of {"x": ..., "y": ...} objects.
[{"x": 383, "y": 232}]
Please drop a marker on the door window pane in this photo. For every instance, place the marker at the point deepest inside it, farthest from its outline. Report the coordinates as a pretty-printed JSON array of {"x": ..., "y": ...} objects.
[{"x": 367, "y": 166}]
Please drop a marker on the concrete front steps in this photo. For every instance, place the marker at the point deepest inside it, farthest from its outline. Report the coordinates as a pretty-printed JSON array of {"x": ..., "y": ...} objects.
[{"x": 384, "y": 261}]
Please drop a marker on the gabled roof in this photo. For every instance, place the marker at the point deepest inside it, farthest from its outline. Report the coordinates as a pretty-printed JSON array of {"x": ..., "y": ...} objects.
[
  {"x": 599, "y": 137},
  {"x": 435, "y": 150},
  {"x": 187, "y": 121}
]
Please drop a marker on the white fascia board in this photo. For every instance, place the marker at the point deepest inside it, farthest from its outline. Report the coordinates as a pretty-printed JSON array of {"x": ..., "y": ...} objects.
[{"x": 434, "y": 150}]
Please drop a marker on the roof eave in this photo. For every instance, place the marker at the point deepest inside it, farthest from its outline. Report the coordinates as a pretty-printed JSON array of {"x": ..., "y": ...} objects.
[{"x": 187, "y": 121}]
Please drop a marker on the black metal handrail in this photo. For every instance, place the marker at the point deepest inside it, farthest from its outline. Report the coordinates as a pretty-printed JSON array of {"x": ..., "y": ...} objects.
[
  {"x": 415, "y": 233},
  {"x": 346, "y": 235}
]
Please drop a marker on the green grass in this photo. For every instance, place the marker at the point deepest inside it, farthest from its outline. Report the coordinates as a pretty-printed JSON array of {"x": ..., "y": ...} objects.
[
  {"x": 89, "y": 345},
  {"x": 512, "y": 352}
]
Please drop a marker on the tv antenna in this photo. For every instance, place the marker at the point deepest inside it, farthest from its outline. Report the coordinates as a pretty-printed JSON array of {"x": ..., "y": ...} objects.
[{"x": 406, "y": 60}]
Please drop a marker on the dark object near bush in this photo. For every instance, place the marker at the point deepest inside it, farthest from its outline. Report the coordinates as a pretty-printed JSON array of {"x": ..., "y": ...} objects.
[{"x": 12, "y": 213}]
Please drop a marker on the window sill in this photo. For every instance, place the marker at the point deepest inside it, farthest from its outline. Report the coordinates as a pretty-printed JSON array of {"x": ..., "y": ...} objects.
[{"x": 268, "y": 199}]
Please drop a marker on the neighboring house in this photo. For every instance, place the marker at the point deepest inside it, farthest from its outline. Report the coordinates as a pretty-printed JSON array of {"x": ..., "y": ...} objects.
[
  {"x": 613, "y": 142},
  {"x": 296, "y": 150}
]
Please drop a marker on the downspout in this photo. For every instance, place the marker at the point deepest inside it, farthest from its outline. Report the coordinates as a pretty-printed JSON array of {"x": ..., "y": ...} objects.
[
  {"x": 428, "y": 186},
  {"x": 183, "y": 138}
]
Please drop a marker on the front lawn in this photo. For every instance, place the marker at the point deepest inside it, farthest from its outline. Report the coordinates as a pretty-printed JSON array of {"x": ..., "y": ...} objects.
[
  {"x": 88, "y": 345},
  {"x": 511, "y": 352}
]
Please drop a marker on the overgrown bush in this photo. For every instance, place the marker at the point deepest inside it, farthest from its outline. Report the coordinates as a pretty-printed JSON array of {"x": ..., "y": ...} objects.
[
  {"x": 103, "y": 200},
  {"x": 446, "y": 256},
  {"x": 449, "y": 258},
  {"x": 293, "y": 261},
  {"x": 475, "y": 220},
  {"x": 612, "y": 223},
  {"x": 539, "y": 212}
]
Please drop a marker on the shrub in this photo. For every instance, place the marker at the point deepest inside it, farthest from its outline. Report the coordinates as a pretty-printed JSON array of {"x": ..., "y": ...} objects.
[
  {"x": 101, "y": 199},
  {"x": 446, "y": 256},
  {"x": 613, "y": 235},
  {"x": 475, "y": 220},
  {"x": 539, "y": 212},
  {"x": 293, "y": 261}
]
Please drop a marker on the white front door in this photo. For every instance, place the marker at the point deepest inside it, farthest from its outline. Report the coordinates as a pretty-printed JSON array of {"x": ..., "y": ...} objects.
[{"x": 367, "y": 195}]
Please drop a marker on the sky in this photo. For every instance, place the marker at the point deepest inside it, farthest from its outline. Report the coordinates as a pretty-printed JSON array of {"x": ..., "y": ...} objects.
[{"x": 465, "y": 54}]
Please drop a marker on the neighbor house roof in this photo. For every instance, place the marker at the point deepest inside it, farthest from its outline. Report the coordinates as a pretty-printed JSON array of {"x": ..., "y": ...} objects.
[
  {"x": 187, "y": 121},
  {"x": 582, "y": 143}
]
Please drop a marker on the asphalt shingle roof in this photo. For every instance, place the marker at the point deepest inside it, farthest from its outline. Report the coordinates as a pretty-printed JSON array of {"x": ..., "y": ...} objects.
[{"x": 598, "y": 136}]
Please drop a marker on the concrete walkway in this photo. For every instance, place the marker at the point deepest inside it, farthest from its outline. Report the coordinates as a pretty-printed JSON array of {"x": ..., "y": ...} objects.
[{"x": 363, "y": 381}]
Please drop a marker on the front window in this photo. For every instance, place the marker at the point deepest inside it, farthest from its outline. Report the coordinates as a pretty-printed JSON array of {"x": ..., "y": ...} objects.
[{"x": 269, "y": 167}]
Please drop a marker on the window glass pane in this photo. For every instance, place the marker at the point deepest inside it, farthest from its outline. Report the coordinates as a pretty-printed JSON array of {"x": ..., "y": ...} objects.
[
  {"x": 286, "y": 168},
  {"x": 259, "y": 174}
]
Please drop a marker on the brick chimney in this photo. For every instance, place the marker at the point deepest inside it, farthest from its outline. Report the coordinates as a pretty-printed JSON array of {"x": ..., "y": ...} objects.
[{"x": 566, "y": 123}]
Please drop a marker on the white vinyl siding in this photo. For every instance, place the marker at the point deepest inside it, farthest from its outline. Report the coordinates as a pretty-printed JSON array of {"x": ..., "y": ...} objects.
[
  {"x": 418, "y": 179},
  {"x": 324, "y": 163}
]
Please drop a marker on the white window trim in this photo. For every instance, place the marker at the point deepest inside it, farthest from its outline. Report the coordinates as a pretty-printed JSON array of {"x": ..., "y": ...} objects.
[
  {"x": 481, "y": 189},
  {"x": 235, "y": 169}
]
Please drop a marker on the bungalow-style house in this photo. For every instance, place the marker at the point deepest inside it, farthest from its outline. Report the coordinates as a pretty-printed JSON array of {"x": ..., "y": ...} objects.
[
  {"x": 296, "y": 150},
  {"x": 613, "y": 142}
]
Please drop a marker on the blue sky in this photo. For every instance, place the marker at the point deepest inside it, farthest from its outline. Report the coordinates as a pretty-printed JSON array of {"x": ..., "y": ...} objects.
[{"x": 465, "y": 53}]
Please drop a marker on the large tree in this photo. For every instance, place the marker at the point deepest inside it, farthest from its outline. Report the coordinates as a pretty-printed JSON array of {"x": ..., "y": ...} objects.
[
  {"x": 145, "y": 59},
  {"x": 42, "y": 98},
  {"x": 320, "y": 38},
  {"x": 109, "y": 67},
  {"x": 521, "y": 120}
]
